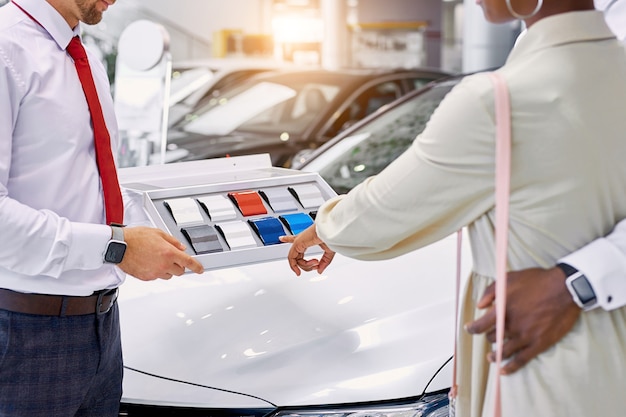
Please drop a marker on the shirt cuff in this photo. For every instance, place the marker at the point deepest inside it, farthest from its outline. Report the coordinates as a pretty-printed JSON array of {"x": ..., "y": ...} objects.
[
  {"x": 604, "y": 265},
  {"x": 88, "y": 244}
]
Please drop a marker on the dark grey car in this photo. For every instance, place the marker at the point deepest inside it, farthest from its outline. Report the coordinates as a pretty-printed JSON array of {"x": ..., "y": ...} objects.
[{"x": 286, "y": 112}]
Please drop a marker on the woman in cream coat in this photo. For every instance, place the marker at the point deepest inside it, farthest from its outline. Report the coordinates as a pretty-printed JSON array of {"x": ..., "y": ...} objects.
[{"x": 567, "y": 83}]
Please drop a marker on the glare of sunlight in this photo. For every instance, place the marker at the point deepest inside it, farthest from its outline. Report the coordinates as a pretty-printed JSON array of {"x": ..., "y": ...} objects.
[
  {"x": 323, "y": 393},
  {"x": 318, "y": 278},
  {"x": 377, "y": 380},
  {"x": 369, "y": 335},
  {"x": 297, "y": 29},
  {"x": 345, "y": 300},
  {"x": 251, "y": 353}
]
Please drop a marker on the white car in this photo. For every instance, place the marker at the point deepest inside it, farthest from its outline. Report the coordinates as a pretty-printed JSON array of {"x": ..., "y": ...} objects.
[{"x": 252, "y": 339}]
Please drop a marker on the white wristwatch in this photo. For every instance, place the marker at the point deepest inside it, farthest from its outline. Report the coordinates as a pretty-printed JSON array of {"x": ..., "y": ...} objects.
[{"x": 579, "y": 287}]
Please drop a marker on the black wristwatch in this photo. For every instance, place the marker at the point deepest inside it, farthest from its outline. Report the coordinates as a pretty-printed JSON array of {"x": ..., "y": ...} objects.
[
  {"x": 579, "y": 287},
  {"x": 116, "y": 247}
]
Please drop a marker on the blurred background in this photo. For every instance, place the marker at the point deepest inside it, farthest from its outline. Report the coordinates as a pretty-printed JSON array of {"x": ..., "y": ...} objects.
[{"x": 179, "y": 69}]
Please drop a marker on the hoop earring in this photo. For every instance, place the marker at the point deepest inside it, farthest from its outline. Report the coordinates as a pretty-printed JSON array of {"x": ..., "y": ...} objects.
[{"x": 521, "y": 16}]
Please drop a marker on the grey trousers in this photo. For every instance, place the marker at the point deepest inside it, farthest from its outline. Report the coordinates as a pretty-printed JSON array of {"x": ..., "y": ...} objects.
[{"x": 60, "y": 366}]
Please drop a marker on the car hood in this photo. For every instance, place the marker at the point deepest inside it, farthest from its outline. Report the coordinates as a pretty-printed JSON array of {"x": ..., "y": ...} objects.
[{"x": 362, "y": 331}]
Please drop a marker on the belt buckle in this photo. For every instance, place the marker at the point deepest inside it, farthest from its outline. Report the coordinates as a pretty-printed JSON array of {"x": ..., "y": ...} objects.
[{"x": 99, "y": 303}]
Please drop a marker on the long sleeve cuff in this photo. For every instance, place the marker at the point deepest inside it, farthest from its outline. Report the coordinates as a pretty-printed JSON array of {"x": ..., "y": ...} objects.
[
  {"x": 87, "y": 248},
  {"x": 604, "y": 265}
]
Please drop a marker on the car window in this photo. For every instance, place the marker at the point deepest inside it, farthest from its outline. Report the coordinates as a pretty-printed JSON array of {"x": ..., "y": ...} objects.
[
  {"x": 372, "y": 147},
  {"x": 418, "y": 83},
  {"x": 225, "y": 79},
  {"x": 365, "y": 104},
  {"x": 230, "y": 113},
  {"x": 185, "y": 82},
  {"x": 265, "y": 107}
]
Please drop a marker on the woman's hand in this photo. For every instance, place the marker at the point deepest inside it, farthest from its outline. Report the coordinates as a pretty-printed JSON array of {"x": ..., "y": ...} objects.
[{"x": 299, "y": 244}]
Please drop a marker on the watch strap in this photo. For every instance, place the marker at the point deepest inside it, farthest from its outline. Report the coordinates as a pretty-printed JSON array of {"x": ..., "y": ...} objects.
[
  {"x": 117, "y": 233},
  {"x": 116, "y": 246},
  {"x": 567, "y": 269}
]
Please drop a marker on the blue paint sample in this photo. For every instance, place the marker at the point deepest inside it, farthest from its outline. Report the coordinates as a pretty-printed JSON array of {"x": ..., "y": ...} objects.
[
  {"x": 268, "y": 229},
  {"x": 296, "y": 222}
]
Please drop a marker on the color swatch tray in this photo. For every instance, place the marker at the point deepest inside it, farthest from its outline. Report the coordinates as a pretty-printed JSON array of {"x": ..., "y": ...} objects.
[{"x": 228, "y": 211}]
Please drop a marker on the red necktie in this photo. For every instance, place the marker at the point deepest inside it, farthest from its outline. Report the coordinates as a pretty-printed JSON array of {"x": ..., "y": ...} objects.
[{"x": 113, "y": 204}]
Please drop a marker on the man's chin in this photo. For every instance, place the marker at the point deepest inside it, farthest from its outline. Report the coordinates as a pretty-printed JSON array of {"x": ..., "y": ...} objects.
[{"x": 92, "y": 19}]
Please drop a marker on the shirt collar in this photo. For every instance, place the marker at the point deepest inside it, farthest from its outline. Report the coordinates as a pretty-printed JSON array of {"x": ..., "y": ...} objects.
[
  {"x": 562, "y": 29},
  {"x": 51, "y": 21}
]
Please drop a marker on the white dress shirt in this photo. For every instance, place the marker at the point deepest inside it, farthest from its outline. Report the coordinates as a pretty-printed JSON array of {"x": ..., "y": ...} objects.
[
  {"x": 615, "y": 15},
  {"x": 603, "y": 262},
  {"x": 51, "y": 202}
]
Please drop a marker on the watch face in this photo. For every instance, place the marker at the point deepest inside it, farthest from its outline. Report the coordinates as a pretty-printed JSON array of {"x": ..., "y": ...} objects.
[
  {"x": 583, "y": 289},
  {"x": 115, "y": 252}
]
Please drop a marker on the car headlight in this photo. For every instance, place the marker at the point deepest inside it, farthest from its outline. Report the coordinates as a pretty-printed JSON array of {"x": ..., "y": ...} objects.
[{"x": 428, "y": 406}]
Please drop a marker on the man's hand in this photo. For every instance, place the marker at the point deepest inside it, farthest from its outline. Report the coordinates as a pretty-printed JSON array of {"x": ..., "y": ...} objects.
[
  {"x": 151, "y": 253},
  {"x": 539, "y": 312},
  {"x": 300, "y": 243}
]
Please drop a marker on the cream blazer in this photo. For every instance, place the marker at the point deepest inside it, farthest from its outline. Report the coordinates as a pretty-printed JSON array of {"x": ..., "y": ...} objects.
[{"x": 567, "y": 83}]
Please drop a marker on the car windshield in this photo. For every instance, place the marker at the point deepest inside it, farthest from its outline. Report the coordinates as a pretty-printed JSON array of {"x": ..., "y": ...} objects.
[
  {"x": 185, "y": 82},
  {"x": 370, "y": 148},
  {"x": 265, "y": 107}
]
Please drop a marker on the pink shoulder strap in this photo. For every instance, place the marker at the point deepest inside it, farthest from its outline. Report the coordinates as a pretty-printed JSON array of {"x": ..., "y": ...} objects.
[
  {"x": 503, "y": 187},
  {"x": 502, "y": 192}
]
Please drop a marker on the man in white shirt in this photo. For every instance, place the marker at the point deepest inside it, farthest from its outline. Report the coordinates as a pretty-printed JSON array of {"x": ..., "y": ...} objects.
[{"x": 61, "y": 257}]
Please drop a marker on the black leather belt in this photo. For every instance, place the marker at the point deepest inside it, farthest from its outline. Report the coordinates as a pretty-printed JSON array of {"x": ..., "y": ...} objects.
[{"x": 57, "y": 305}]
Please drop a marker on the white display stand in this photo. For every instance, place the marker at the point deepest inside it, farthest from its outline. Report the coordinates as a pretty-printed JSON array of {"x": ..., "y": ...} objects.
[
  {"x": 142, "y": 86},
  {"x": 210, "y": 197}
]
